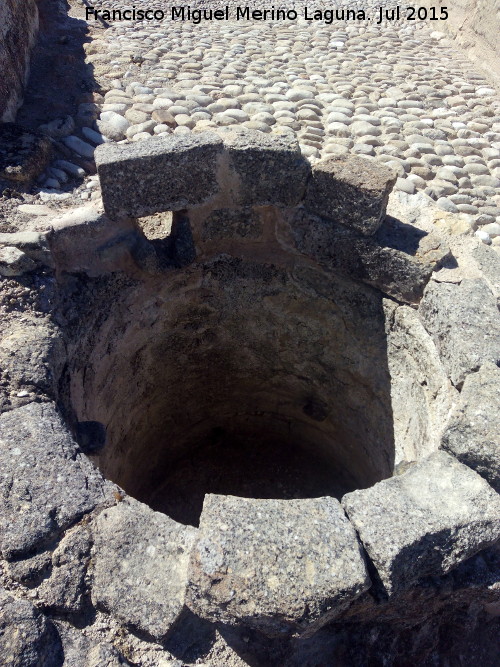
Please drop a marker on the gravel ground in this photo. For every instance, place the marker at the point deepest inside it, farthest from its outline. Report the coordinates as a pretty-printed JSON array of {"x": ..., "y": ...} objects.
[{"x": 398, "y": 92}]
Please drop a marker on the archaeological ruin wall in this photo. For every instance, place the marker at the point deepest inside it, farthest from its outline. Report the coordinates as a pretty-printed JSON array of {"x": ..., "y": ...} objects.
[{"x": 18, "y": 32}]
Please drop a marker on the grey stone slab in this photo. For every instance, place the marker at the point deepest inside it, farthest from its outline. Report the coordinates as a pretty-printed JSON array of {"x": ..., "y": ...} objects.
[
  {"x": 46, "y": 484},
  {"x": 270, "y": 168},
  {"x": 426, "y": 521},
  {"x": 140, "y": 563},
  {"x": 276, "y": 565},
  {"x": 473, "y": 433},
  {"x": 160, "y": 174},
  {"x": 394, "y": 272},
  {"x": 27, "y": 638},
  {"x": 350, "y": 190},
  {"x": 464, "y": 323}
]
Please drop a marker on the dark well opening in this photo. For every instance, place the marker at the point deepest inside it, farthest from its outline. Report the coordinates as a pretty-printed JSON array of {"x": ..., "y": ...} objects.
[{"x": 236, "y": 377}]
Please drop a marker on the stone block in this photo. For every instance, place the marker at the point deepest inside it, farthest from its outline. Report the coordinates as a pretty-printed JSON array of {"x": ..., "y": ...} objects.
[
  {"x": 464, "y": 322},
  {"x": 27, "y": 638},
  {"x": 393, "y": 271},
  {"x": 46, "y": 484},
  {"x": 140, "y": 564},
  {"x": 350, "y": 190},
  {"x": 270, "y": 168},
  {"x": 64, "y": 590},
  {"x": 426, "y": 521},
  {"x": 160, "y": 174},
  {"x": 277, "y": 565},
  {"x": 473, "y": 433}
]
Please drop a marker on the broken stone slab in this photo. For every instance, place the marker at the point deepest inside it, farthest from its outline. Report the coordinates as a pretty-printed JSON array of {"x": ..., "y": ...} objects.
[
  {"x": 425, "y": 521},
  {"x": 24, "y": 154},
  {"x": 350, "y": 190},
  {"x": 27, "y": 638},
  {"x": 277, "y": 565},
  {"x": 14, "y": 262},
  {"x": 161, "y": 174},
  {"x": 464, "y": 322},
  {"x": 46, "y": 484},
  {"x": 140, "y": 564},
  {"x": 473, "y": 433},
  {"x": 270, "y": 168}
]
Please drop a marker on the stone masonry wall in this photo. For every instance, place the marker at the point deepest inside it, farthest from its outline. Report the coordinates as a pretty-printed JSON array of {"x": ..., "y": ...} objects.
[
  {"x": 87, "y": 570},
  {"x": 18, "y": 30}
]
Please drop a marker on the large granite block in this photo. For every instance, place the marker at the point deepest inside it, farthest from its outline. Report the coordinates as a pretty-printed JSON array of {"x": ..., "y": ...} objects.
[
  {"x": 161, "y": 174},
  {"x": 464, "y": 322},
  {"x": 271, "y": 169},
  {"x": 350, "y": 190},
  {"x": 426, "y": 521},
  {"x": 46, "y": 484},
  {"x": 278, "y": 565}
]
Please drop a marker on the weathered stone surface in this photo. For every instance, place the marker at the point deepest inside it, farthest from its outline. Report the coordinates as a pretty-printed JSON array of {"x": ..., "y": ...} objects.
[
  {"x": 425, "y": 521},
  {"x": 46, "y": 485},
  {"x": 231, "y": 223},
  {"x": 464, "y": 323},
  {"x": 417, "y": 379},
  {"x": 14, "y": 262},
  {"x": 19, "y": 21},
  {"x": 271, "y": 169},
  {"x": 160, "y": 174},
  {"x": 23, "y": 153},
  {"x": 393, "y": 271},
  {"x": 27, "y": 638},
  {"x": 33, "y": 244},
  {"x": 277, "y": 565},
  {"x": 140, "y": 563},
  {"x": 105, "y": 655},
  {"x": 454, "y": 617},
  {"x": 64, "y": 590},
  {"x": 473, "y": 434},
  {"x": 350, "y": 190},
  {"x": 489, "y": 263},
  {"x": 32, "y": 356}
]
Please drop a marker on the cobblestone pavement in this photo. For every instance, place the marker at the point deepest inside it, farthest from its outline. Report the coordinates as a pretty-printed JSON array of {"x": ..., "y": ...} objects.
[{"x": 398, "y": 92}]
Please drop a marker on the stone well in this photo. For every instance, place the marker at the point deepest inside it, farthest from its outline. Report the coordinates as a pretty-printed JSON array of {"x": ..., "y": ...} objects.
[{"x": 245, "y": 398}]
